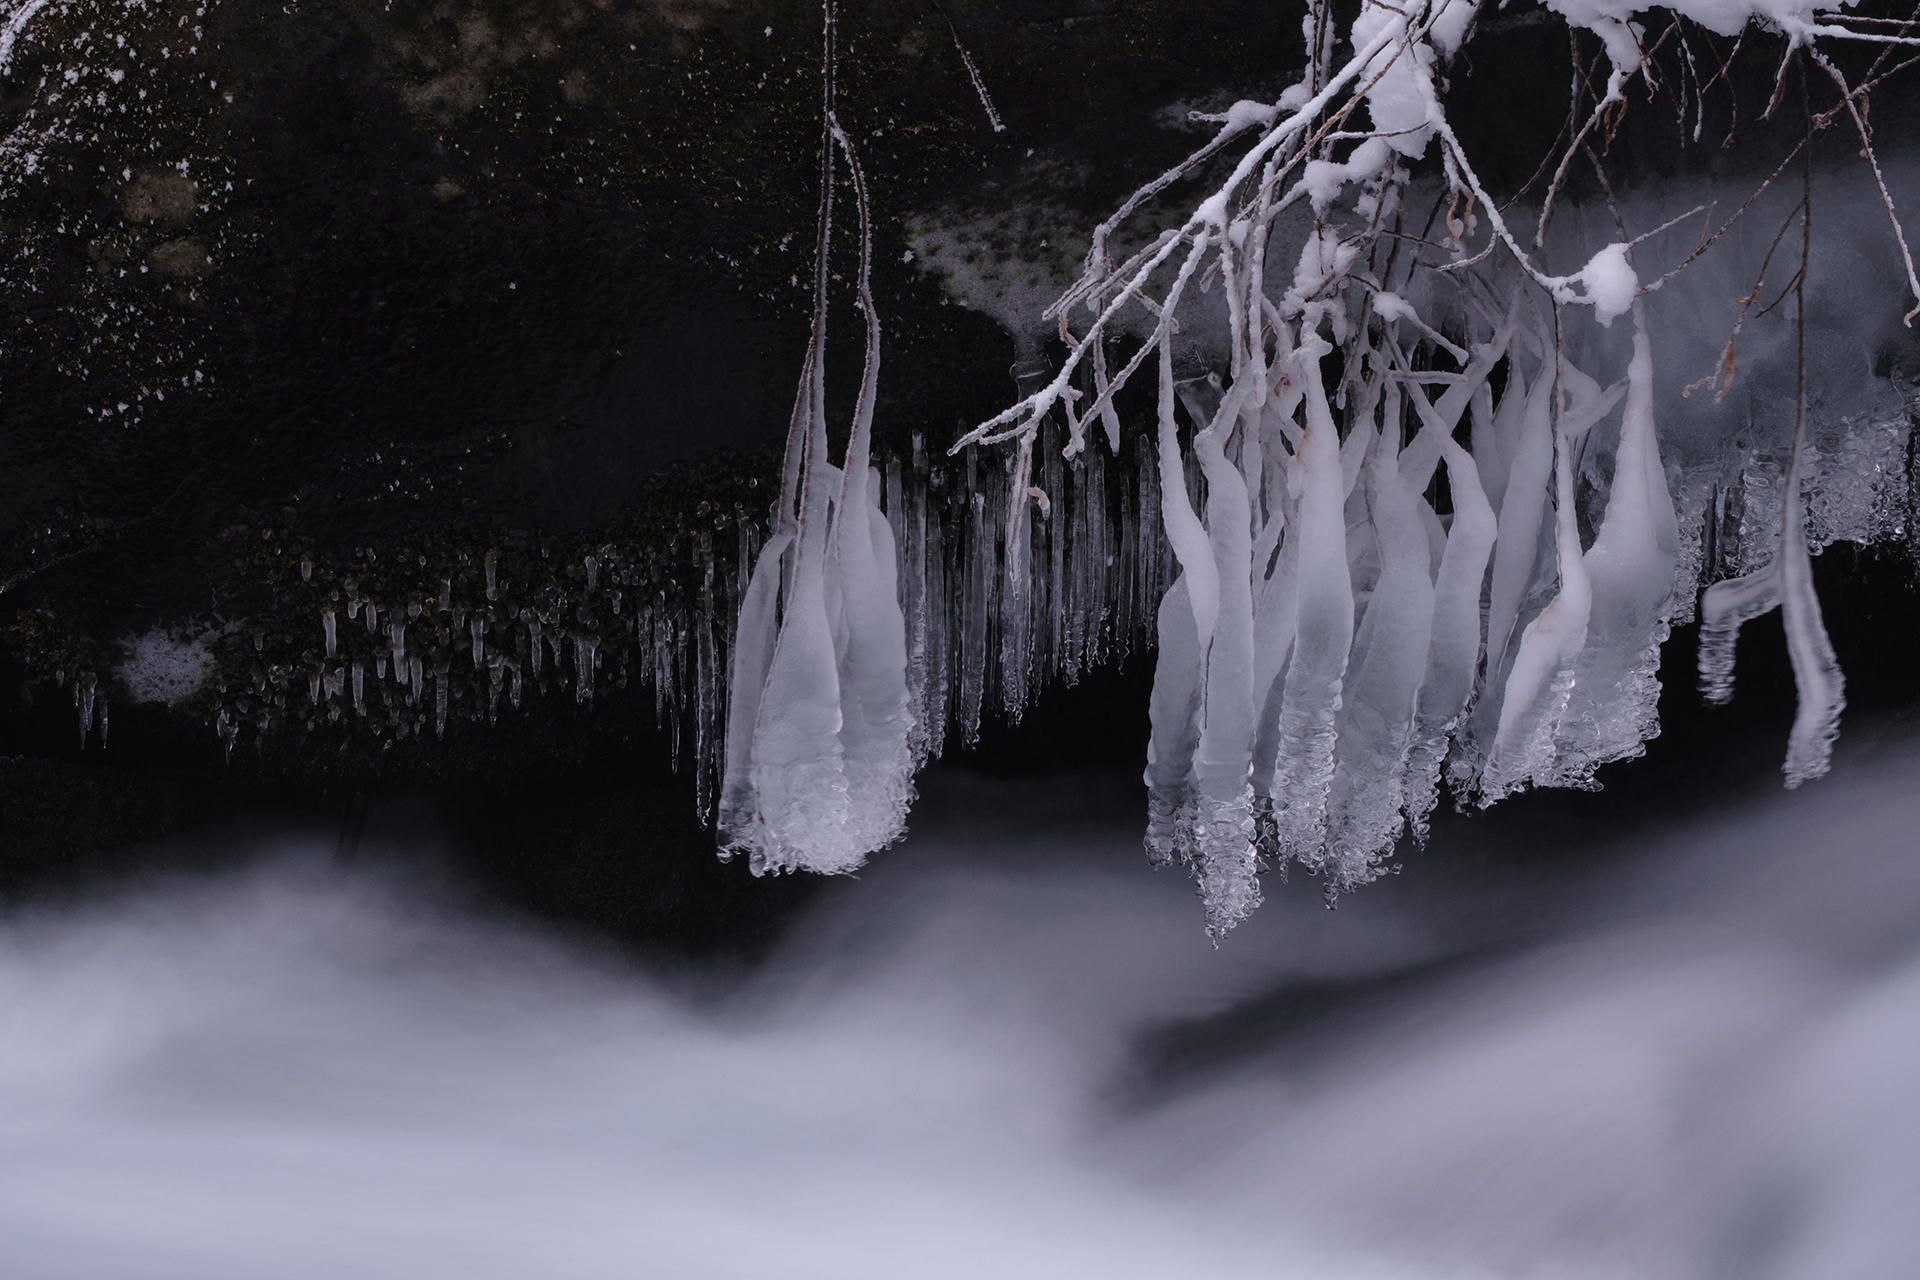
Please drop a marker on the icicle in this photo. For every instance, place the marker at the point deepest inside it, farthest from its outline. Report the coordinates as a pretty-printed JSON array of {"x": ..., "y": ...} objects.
[
  {"x": 1275, "y": 625},
  {"x": 1173, "y": 712},
  {"x": 585, "y": 658},
  {"x": 755, "y": 633},
  {"x": 1453, "y": 652},
  {"x": 440, "y": 702},
  {"x": 477, "y": 628},
  {"x": 83, "y": 694},
  {"x": 1614, "y": 705},
  {"x": 825, "y": 775},
  {"x": 327, "y": 628},
  {"x": 1328, "y": 642},
  {"x": 1517, "y": 550},
  {"x": 1724, "y": 609},
  {"x": 906, "y": 512},
  {"x": 1385, "y": 670},
  {"x": 380, "y": 666},
  {"x": 593, "y": 574},
  {"x": 306, "y": 571},
  {"x": 1185, "y": 533},
  {"x": 1223, "y": 855},
  {"x": 397, "y": 635},
  {"x": 1323, "y": 631},
  {"x": 533, "y": 637},
  {"x": 797, "y": 773},
  {"x": 1787, "y": 582},
  {"x": 799, "y": 770},
  {"x": 491, "y": 564},
  {"x": 359, "y": 687},
  {"x": 708, "y": 699},
  {"x": 877, "y": 719},
  {"x": 975, "y": 587},
  {"x": 1052, "y": 591},
  {"x": 1015, "y": 594},
  {"x": 1109, "y": 568},
  {"x": 938, "y": 595},
  {"x": 1540, "y": 677}
]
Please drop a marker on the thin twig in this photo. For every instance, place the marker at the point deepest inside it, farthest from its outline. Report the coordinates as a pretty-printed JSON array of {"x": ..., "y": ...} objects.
[
  {"x": 1873, "y": 162},
  {"x": 973, "y": 72}
]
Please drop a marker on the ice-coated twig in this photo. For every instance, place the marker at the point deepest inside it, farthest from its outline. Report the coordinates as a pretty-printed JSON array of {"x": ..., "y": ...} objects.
[
  {"x": 14, "y": 25},
  {"x": 973, "y": 72}
]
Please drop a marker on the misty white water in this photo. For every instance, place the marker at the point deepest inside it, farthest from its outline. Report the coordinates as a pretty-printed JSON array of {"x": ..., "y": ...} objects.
[{"x": 1006, "y": 1052}]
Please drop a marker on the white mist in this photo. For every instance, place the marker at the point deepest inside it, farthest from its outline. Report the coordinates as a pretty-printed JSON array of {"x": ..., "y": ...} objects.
[{"x": 1697, "y": 1062}]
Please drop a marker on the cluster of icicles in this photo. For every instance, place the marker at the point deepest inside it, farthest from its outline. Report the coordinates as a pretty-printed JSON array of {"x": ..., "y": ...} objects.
[
  {"x": 888, "y": 611},
  {"x": 459, "y": 640},
  {"x": 1334, "y": 643},
  {"x": 1353, "y": 606},
  {"x": 1365, "y": 603}
]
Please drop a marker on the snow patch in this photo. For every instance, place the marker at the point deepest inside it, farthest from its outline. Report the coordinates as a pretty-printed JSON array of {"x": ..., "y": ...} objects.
[{"x": 165, "y": 667}]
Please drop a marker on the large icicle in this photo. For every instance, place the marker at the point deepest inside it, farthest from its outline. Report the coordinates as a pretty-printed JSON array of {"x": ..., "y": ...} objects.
[
  {"x": 1180, "y": 669},
  {"x": 1173, "y": 711},
  {"x": 1223, "y": 854},
  {"x": 1541, "y": 674},
  {"x": 1614, "y": 705},
  {"x": 1388, "y": 662},
  {"x": 1323, "y": 634},
  {"x": 799, "y": 765},
  {"x": 755, "y": 633},
  {"x": 818, "y": 757},
  {"x": 1524, "y": 526},
  {"x": 1453, "y": 652}
]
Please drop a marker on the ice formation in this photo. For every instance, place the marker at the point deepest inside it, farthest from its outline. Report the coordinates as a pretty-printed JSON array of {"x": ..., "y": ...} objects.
[
  {"x": 819, "y": 767},
  {"x": 1382, "y": 582}
]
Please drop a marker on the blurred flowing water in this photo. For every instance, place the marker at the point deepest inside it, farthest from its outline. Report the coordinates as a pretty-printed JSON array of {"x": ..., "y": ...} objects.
[{"x": 1005, "y": 1051}]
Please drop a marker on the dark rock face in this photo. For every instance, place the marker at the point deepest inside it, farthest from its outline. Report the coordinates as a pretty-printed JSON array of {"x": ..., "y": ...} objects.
[{"x": 298, "y": 290}]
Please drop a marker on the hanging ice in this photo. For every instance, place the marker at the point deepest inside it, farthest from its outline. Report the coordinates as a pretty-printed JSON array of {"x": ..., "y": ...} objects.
[
  {"x": 819, "y": 764},
  {"x": 1402, "y": 539}
]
